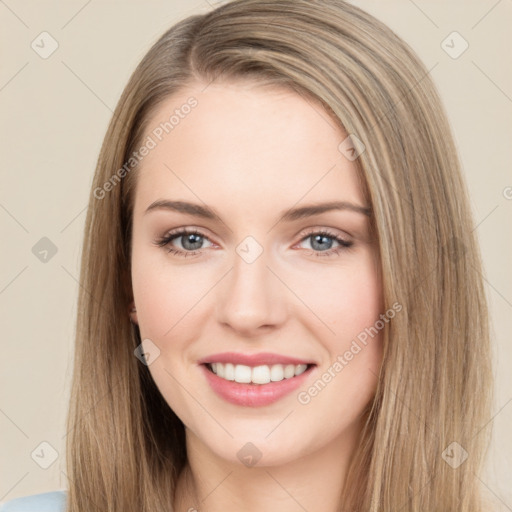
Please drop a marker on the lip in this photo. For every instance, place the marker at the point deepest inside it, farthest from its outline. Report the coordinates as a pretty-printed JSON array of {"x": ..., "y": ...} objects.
[
  {"x": 262, "y": 358},
  {"x": 254, "y": 395}
]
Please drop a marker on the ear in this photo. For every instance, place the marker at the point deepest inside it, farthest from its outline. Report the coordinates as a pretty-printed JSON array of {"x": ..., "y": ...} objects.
[{"x": 133, "y": 313}]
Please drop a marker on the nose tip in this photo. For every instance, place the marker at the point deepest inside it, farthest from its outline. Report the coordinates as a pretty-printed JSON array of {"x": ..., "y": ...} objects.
[{"x": 249, "y": 299}]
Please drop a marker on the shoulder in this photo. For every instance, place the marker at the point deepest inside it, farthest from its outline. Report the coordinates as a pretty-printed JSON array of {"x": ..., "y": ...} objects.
[{"x": 45, "y": 502}]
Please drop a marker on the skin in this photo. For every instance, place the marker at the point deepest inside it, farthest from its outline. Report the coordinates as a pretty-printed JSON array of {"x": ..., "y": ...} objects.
[{"x": 249, "y": 153}]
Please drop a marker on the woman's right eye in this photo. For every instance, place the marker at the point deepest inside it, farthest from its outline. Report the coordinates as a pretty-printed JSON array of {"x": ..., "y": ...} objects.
[{"x": 189, "y": 239}]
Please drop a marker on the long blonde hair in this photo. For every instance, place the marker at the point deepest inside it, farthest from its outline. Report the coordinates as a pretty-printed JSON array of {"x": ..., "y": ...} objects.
[{"x": 126, "y": 447}]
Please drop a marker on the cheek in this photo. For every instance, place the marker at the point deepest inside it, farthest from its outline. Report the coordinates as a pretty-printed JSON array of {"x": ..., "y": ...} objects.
[
  {"x": 345, "y": 298},
  {"x": 348, "y": 300},
  {"x": 358, "y": 347},
  {"x": 358, "y": 305},
  {"x": 165, "y": 295},
  {"x": 348, "y": 378}
]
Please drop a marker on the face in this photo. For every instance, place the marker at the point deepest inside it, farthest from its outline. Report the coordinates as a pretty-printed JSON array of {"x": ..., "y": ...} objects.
[{"x": 235, "y": 280}]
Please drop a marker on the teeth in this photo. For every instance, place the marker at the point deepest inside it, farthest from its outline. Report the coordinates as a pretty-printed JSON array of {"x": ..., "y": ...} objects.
[
  {"x": 259, "y": 374},
  {"x": 242, "y": 373},
  {"x": 229, "y": 371}
]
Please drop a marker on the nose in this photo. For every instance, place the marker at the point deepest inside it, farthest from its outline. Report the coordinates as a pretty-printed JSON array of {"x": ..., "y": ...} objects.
[{"x": 251, "y": 300}]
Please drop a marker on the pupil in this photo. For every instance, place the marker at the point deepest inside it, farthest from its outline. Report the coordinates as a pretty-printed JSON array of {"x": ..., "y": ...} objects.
[
  {"x": 189, "y": 239},
  {"x": 321, "y": 239}
]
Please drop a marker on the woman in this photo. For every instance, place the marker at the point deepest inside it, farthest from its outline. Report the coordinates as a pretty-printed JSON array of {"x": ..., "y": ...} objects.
[{"x": 281, "y": 305}]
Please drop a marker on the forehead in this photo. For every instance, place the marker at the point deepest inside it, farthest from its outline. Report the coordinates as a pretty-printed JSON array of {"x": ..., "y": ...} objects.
[{"x": 242, "y": 145}]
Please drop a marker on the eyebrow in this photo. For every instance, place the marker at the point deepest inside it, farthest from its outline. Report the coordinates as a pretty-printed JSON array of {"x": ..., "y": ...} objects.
[{"x": 288, "y": 215}]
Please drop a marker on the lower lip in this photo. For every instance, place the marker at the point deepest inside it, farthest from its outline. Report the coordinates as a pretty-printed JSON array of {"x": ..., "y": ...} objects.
[{"x": 254, "y": 395}]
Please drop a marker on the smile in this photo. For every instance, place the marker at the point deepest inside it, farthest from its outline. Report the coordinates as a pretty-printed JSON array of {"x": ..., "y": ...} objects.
[{"x": 263, "y": 374}]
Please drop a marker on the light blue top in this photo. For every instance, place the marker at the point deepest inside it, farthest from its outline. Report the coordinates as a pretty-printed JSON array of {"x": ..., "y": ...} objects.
[{"x": 45, "y": 502}]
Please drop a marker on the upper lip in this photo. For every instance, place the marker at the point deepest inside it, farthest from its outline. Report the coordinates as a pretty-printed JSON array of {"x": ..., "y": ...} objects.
[{"x": 262, "y": 358}]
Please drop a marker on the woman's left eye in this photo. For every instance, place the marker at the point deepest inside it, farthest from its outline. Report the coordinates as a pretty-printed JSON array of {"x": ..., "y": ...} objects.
[
  {"x": 191, "y": 241},
  {"x": 321, "y": 239}
]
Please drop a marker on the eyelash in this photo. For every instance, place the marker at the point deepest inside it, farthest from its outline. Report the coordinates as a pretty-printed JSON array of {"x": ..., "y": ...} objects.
[{"x": 167, "y": 239}]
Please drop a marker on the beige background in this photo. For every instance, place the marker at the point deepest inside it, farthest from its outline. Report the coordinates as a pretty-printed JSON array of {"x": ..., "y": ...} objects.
[{"x": 54, "y": 115}]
